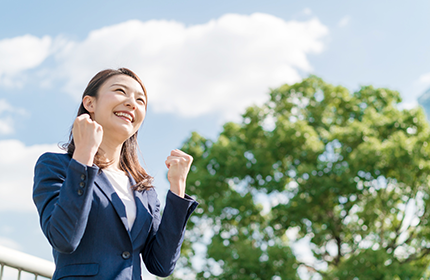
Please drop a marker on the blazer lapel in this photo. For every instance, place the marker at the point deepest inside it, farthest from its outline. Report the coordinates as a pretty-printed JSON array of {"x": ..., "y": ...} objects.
[
  {"x": 105, "y": 186},
  {"x": 143, "y": 216}
]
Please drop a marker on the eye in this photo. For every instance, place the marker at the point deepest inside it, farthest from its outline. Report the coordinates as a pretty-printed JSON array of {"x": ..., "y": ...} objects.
[
  {"x": 120, "y": 90},
  {"x": 141, "y": 100}
]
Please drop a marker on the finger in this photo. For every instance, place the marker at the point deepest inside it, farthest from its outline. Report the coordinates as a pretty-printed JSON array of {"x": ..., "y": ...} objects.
[
  {"x": 173, "y": 161},
  {"x": 99, "y": 128},
  {"x": 180, "y": 153},
  {"x": 83, "y": 117},
  {"x": 96, "y": 124},
  {"x": 177, "y": 152},
  {"x": 178, "y": 161},
  {"x": 173, "y": 157}
]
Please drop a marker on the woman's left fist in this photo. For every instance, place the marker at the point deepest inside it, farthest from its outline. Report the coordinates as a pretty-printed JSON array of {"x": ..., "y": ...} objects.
[{"x": 179, "y": 164}]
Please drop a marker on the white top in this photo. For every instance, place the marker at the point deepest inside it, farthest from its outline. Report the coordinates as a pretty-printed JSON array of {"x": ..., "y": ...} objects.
[{"x": 122, "y": 186}]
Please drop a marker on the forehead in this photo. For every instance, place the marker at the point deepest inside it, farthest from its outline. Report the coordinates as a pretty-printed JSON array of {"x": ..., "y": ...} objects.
[{"x": 125, "y": 81}]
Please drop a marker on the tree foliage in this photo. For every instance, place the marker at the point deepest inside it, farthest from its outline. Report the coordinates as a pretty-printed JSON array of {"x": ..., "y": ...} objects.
[{"x": 346, "y": 173}]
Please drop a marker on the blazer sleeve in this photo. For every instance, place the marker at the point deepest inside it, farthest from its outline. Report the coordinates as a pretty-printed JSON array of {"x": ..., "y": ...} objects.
[
  {"x": 62, "y": 193},
  {"x": 163, "y": 246}
]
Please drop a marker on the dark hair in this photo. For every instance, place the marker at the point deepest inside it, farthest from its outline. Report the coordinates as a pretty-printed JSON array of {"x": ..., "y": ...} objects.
[{"x": 129, "y": 161}]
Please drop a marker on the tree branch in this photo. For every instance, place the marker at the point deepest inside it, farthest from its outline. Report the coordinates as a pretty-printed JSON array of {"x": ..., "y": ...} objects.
[{"x": 313, "y": 269}]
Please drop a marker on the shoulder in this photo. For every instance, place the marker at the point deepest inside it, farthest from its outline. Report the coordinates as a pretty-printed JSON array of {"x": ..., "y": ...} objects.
[
  {"x": 59, "y": 160},
  {"x": 153, "y": 201},
  {"x": 55, "y": 156},
  {"x": 152, "y": 193}
]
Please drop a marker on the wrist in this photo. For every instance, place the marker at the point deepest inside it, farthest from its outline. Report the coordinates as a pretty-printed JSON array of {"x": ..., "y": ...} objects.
[
  {"x": 84, "y": 157},
  {"x": 178, "y": 188}
]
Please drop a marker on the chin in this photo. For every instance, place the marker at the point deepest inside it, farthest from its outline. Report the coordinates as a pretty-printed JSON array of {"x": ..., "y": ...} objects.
[{"x": 119, "y": 135}]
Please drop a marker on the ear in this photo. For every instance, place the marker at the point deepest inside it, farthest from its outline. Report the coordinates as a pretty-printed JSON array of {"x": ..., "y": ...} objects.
[{"x": 89, "y": 103}]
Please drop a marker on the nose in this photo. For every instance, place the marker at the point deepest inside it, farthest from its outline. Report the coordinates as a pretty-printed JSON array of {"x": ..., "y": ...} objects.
[{"x": 131, "y": 103}]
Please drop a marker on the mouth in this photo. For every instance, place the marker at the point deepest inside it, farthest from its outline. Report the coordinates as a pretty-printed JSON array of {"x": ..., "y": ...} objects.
[{"x": 126, "y": 115}]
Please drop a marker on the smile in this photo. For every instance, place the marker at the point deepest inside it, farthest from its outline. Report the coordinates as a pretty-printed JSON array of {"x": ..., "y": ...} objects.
[{"x": 126, "y": 115}]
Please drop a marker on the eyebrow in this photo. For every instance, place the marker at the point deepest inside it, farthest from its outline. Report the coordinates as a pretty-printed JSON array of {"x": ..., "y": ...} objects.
[{"x": 126, "y": 87}]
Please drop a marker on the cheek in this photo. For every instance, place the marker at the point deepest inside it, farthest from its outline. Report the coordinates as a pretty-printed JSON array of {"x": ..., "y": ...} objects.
[
  {"x": 101, "y": 113},
  {"x": 142, "y": 113}
]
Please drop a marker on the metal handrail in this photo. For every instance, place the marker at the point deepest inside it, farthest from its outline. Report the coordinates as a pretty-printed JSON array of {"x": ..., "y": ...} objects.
[{"x": 25, "y": 262}]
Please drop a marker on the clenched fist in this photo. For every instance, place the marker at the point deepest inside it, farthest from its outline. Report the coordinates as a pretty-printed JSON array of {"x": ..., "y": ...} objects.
[
  {"x": 179, "y": 164},
  {"x": 87, "y": 135}
]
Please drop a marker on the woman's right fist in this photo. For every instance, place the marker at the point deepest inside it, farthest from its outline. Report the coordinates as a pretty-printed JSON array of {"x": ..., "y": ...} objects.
[{"x": 87, "y": 135}]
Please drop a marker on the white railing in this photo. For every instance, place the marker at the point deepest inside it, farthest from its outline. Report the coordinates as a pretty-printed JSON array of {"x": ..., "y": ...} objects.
[{"x": 21, "y": 262}]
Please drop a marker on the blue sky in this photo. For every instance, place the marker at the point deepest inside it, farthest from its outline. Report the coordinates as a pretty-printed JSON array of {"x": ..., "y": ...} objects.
[{"x": 203, "y": 62}]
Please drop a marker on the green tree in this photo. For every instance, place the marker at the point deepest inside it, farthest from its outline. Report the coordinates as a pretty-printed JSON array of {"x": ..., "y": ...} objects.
[{"x": 349, "y": 172}]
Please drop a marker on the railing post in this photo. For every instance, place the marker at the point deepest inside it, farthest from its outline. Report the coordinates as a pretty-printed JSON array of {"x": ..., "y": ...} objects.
[
  {"x": 24, "y": 262},
  {"x": 1, "y": 271}
]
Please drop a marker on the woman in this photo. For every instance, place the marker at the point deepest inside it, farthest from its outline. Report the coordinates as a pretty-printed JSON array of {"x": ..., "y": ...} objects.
[{"x": 97, "y": 206}]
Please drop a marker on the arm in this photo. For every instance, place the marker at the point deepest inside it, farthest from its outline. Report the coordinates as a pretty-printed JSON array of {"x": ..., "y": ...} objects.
[
  {"x": 63, "y": 187},
  {"x": 163, "y": 246},
  {"x": 62, "y": 193}
]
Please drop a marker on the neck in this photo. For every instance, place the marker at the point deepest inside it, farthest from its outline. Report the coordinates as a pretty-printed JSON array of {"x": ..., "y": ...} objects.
[{"x": 111, "y": 151}]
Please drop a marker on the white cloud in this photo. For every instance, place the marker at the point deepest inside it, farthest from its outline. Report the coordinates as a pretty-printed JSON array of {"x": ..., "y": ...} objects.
[
  {"x": 6, "y": 126},
  {"x": 7, "y": 122},
  {"x": 9, "y": 243},
  {"x": 6, "y": 229},
  {"x": 417, "y": 89},
  {"x": 19, "y": 54},
  {"x": 16, "y": 174},
  {"x": 6, "y": 107},
  {"x": 424, "y": 79},
  {"x": 344, "y": 21},
  {"x": 221, "y": 66}
]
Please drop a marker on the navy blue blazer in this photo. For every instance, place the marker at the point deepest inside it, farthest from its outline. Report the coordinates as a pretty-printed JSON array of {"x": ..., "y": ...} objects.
[{"x": 85, "y": 221}]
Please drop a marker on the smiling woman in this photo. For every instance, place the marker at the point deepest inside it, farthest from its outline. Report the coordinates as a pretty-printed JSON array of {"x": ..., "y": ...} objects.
[
  {"x": 109, "y": 89},
  {"x": 99, "y": 184}
]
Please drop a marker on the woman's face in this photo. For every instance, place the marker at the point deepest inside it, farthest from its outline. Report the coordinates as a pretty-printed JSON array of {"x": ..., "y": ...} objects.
[{"x": 119, "y": 107}]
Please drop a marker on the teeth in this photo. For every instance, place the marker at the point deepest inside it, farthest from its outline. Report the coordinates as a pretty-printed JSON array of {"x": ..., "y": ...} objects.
[{"x": 121, "y": 114}]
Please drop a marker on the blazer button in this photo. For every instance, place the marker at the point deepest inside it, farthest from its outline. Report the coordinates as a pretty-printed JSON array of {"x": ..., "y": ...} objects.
[
  {"x": 125, "y": 255},
  {"x": 82, "y": 177},
  {"x": 80, "y": 192},
  {"x": 82, "y": 184}
]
